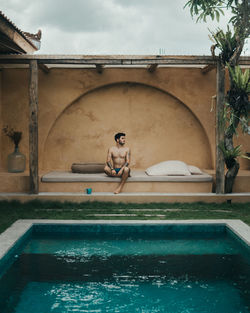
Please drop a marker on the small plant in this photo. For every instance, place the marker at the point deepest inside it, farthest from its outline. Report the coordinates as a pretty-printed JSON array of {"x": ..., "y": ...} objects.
[
  {"x": 224, "y": 41},
  {"x": 231, "y": 155},
  {"x": 15, "y": 136},
  {"x": 240, "y": 79}
]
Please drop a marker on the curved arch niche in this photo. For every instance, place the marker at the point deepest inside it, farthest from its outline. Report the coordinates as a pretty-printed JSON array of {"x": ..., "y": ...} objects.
[{"x": 158, "y": 127}]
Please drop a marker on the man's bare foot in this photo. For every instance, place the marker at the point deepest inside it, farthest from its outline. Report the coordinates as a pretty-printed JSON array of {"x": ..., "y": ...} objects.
[{"x": 118, "y": 190}]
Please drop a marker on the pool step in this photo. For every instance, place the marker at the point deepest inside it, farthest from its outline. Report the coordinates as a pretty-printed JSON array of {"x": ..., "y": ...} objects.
[{"x": 136, "y": 197}]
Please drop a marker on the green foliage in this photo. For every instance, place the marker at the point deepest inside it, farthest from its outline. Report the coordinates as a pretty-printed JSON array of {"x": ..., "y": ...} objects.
[
  {"x": 238, "y": 97},
  {"x": 240, "y": 79},
  {"x": 226, "y": 42},
  {"x": 241, "y": 18},
  {"x": 214, "y": 8},
  {"x": 230, "y": 45},
  {"x": 231, "y": 155},
  {"x": 240, "y": 10},
  {"x": 205, "y": 8}
]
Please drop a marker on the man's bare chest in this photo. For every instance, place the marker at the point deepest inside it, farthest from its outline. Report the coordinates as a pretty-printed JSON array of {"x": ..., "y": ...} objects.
[{"x": 119, "y": 153}]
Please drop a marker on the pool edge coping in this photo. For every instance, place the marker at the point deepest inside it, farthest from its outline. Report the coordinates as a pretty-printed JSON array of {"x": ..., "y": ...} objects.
[{"x": 18, "y": 229}]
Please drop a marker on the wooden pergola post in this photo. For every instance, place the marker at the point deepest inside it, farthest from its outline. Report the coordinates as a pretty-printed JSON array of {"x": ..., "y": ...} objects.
[
  {"x": 220, "y": 125},
  {"x": 33, "y": 127}
]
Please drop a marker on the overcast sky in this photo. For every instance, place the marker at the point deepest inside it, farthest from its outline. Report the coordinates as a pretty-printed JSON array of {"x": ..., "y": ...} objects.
[{"x": 113, "y": 26}]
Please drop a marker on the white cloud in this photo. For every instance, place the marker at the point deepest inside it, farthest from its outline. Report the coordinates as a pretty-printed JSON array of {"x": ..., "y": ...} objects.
[{"x": 111, "y": 26}]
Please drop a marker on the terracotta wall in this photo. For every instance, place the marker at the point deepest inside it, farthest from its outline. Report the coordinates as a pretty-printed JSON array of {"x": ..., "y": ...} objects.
[
  {"x": 15, "y": 110},
  {"x": 166, "y": 115}
]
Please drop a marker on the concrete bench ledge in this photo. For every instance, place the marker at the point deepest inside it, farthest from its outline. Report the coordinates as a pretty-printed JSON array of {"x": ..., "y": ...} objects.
[
  {"x": 128, "y": 197},
  {"x": 136, "y": 176}
]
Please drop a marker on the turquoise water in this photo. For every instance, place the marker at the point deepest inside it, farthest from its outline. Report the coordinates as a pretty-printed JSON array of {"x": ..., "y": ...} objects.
[
  {"x": 130, "y": 246},
  {"x": 130, "y": 296},
  {"x": 102, "y": 270}
]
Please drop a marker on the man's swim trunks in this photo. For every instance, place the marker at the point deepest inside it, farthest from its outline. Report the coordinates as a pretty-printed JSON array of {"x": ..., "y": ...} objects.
[{"x": 117, "y": 170}]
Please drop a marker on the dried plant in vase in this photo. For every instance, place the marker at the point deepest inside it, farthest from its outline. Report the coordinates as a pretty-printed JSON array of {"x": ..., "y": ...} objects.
[
  {"x": 13, "y": 135},
  {"x": 16, "y": 160}
]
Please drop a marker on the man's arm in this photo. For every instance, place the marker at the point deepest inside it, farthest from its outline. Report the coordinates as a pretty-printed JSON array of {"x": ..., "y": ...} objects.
[
  {"x": 127, "y": 158},
  {"x": 109, "y": 159}
]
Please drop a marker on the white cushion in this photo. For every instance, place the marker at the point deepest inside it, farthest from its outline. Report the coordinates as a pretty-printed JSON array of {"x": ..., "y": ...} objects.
[
  {"x": 170, "y": 168},
  {"x": 194, "y": 170}
]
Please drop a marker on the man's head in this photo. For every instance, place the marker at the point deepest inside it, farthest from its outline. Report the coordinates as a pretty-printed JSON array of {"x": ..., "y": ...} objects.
[{"x": 120, "y": 138}]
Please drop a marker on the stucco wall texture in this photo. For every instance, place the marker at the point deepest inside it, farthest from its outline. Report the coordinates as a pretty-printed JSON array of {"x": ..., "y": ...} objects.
[{"x": 166, "y": 115}]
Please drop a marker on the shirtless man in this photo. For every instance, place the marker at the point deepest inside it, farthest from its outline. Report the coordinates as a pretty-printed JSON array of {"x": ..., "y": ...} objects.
[{"x": 118, "y": 159}]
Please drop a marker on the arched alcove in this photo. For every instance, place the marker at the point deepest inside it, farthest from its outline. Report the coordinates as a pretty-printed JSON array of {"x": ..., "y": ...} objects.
[{"x": 158, "y": 127}]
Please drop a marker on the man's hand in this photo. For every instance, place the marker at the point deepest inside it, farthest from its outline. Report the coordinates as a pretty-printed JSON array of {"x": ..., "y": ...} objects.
[{"x": 113, "y": 172}]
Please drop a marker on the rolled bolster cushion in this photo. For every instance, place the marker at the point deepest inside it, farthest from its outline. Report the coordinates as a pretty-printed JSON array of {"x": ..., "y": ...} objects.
[{"x": 88, "y": 168}]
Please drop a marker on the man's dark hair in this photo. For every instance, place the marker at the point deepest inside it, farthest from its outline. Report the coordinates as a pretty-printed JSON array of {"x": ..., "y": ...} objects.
[{"x": 118, "y": 135}]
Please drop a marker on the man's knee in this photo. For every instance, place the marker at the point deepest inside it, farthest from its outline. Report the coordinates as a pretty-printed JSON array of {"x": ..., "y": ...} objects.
[
  {"x": 106, "y": 168},
  {"x": 107, "y": 171},
  {"x": 126, "y": 170}
]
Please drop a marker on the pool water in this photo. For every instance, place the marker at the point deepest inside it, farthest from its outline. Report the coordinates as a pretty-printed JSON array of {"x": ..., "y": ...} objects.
[{"x": 127, "y": 270}]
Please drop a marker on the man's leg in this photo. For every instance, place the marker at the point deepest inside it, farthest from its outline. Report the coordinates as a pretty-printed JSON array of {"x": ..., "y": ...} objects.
[
  {"x": 125, "y": 175},
  {"x": 107, "y": 170}
]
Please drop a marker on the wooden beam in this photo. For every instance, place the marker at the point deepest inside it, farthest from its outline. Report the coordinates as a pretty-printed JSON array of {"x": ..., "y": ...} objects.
[
  {"x": 99, "y": 68},
  {"x": 114, "y": 59},
  {"x": 44, "y": 68},
  {"x": 33, "y": 127},
  {"x": 152, "y": 67},
  {"x": 220, "y": 125},
  {"x": 208, "y": 68},
  {"x": 107, "y": 60}
]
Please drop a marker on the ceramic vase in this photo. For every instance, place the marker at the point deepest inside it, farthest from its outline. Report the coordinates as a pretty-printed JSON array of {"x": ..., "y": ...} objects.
[{"x": 16, "y": 161}]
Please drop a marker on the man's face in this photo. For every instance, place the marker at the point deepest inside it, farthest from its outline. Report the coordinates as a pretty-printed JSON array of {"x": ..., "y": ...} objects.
[{"x": 121, "y": 140}]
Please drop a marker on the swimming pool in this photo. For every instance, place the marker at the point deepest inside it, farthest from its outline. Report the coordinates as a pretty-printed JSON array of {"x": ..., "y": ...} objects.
[{"x": 136, "y": 266}]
